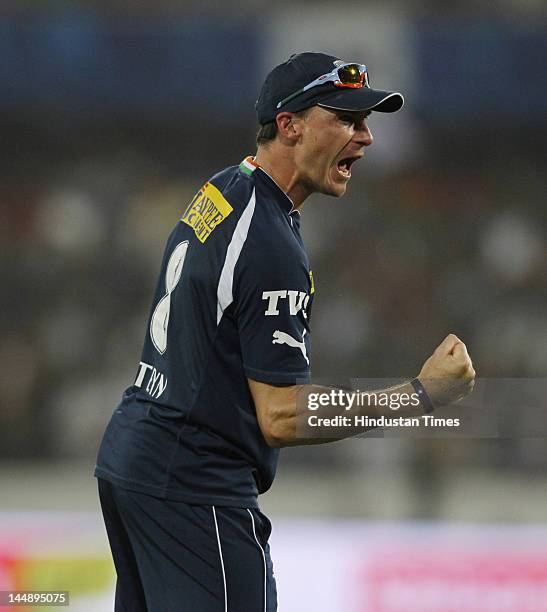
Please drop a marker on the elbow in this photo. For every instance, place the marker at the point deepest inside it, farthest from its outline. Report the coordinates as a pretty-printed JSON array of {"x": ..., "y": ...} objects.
[
  {"x": 273, "y": 442},
  {"x": 278, "y": 433}
]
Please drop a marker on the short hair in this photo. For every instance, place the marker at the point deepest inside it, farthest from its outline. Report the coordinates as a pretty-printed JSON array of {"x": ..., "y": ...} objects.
[{"x": 267, "y": 132}]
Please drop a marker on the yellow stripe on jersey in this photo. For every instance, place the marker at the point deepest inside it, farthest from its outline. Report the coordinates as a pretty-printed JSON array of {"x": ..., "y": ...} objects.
[
  {"x": 312, "y": 290},
  {"x": 208, "y": 208}
]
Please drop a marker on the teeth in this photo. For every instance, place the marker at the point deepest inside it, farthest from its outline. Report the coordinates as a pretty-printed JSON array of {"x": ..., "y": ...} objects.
[
  {"x": 344, "y": 166},
  {"x": 343, "y": 170}
]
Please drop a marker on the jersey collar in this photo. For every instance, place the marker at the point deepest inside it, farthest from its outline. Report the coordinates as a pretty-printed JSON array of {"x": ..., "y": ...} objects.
[{"x": 248, "y": 166}]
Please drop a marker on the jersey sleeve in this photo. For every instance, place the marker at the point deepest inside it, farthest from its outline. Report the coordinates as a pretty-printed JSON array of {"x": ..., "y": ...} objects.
[{"x": 271, "y": 308}]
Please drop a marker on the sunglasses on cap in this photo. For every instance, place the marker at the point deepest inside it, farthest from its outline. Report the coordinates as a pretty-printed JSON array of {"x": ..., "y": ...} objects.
[{"x": 346, "y": 75}]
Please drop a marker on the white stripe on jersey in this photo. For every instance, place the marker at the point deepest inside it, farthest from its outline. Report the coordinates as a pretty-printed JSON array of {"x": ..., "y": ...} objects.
[
  {"x": 263, "y": 560},
  {"x": 221, "y": 561},
  {"x": 226, "y": 281}
]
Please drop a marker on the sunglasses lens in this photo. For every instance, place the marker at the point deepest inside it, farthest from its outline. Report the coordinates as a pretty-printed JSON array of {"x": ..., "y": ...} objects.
[{"x": 351, "y": 74}]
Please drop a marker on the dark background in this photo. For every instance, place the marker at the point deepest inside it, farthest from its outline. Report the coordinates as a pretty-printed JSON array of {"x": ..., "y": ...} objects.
[{"x": 111, "y": 117}]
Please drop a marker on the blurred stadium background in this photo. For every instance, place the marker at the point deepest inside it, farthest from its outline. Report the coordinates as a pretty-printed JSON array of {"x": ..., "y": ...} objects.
[{"x": 112, "y": 114}]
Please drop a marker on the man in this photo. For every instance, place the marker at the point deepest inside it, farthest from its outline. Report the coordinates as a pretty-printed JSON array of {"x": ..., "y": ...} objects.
[{"x": 227, "y": 355}]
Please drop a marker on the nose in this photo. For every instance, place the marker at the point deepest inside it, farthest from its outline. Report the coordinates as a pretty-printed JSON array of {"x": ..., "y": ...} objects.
[{"x": 363, "y": 135}]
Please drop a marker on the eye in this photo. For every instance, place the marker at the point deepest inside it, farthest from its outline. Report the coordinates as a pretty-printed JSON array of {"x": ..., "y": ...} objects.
[{"x": 347, "y": 119}]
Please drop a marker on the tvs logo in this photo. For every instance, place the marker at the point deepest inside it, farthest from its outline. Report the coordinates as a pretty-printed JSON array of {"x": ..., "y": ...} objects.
[{"x": 298, "y": 301}]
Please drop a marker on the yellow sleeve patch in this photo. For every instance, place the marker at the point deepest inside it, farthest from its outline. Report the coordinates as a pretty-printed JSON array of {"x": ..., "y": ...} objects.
[
  {"x": 207, "y": 210},
  {"x": 312, "y": 290}
]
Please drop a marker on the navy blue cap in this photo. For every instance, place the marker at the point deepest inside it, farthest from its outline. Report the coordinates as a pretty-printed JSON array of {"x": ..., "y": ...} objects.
[{"x": 303, "y": 68}]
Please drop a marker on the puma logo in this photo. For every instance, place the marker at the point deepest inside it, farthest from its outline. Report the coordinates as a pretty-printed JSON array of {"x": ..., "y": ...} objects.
[{"x": 280, "y": 337}]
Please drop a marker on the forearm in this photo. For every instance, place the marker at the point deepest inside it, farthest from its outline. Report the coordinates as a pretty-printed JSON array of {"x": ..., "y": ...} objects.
[
  {"x": 284, "y": 413},
  {"x": 315, "y": 414}
]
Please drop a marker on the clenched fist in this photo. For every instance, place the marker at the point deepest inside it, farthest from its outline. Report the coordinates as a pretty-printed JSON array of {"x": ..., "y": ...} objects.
[{"x": 448, "y": 375}]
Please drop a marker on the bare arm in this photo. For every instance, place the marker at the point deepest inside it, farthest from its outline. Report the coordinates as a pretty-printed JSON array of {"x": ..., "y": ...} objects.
[{"x": 283, "y": 412}]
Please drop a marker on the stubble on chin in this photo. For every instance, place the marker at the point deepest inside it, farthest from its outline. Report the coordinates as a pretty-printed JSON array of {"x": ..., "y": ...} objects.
[
  {"x": 310, "y": 185},
  {"x": 329, "y": 189},
  {"x": 325, "y": 188}
]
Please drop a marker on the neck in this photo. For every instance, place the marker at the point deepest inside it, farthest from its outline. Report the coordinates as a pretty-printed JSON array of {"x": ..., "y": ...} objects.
[{"x": 278, "y": 162}]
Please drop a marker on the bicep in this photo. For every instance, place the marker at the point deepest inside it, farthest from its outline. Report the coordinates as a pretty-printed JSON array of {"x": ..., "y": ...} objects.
[{"x": 271, "y": 297}]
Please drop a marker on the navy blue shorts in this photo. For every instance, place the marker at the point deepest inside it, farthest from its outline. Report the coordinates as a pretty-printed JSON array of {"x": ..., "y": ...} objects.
[{"x": 176, "y": 557}]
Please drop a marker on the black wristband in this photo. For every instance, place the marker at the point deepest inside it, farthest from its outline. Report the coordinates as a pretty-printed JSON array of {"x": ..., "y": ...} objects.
[{"x": 426, "y": 403}]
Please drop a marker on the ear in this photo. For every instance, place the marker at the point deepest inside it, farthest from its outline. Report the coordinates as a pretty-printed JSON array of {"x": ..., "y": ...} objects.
[{"x": 289, "y": 126}]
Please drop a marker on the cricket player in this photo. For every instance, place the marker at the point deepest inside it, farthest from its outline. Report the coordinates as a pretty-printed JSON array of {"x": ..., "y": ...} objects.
[{"x": 225, "y": 368}]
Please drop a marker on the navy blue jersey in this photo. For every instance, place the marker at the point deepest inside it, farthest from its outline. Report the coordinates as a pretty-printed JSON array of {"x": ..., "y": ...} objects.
[{"x": 233, "y": 301}]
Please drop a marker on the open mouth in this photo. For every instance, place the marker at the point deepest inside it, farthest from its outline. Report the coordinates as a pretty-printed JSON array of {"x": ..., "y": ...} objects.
[{"x": 344, "y": 166}]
